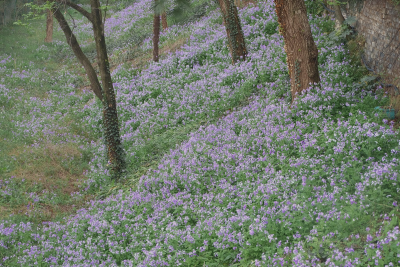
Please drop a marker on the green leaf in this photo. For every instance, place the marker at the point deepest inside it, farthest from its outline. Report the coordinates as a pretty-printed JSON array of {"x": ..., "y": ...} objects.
[
  {"x": 105, "y": 7},
  {"x": 350, "y": 20},
  {"x": 369, "y": 78}
]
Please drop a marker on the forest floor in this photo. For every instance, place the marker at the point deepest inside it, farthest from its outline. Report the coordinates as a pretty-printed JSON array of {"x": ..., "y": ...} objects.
[{"x": 208, "y": 145}]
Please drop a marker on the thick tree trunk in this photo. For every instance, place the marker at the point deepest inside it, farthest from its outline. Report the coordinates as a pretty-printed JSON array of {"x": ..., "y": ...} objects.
[
  {"x": 115, "y": 152},
  {"x": 156, "y": 36},
  {"x": 49, "y": 27},
  {"x": 164, "y": 20},
  {"x": 73, "y": 43},
  {"x": 234, "y": 31},
  {"x": 300, "y": 48}
]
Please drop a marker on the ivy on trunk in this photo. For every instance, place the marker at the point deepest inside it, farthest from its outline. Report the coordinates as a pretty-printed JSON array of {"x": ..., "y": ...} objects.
[
  {"x": 115, "y": 153},
  {"x": 234, "y": 31}
]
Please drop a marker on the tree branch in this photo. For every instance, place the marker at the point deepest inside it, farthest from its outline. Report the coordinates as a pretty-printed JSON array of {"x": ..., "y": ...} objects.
[
  {"x": 327, "y": 8},
  {"x": 73, "y": 43},
  {"x": 81, "y": 10}
]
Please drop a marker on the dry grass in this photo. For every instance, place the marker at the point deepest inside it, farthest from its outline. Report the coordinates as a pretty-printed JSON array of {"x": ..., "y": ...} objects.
[
  {"x": 244, "y": 3},
  {"x": 44, "y": 165},
  {"x": 42, "y": 212},
  {"x": 50, "y": 168}
]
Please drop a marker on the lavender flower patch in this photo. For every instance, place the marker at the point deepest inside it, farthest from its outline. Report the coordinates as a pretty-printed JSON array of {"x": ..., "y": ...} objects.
[
  {"x": 37, "y": 118},
  {"x": 254, "y": 184},
  {"x": 308, "y": 186},
  {"x": 181, "y": 95},
  {"x": 199, "y": 82}
]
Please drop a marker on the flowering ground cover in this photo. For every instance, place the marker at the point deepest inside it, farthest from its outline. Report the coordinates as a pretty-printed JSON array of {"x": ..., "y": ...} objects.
[
  {"x": 44, "y": 99},
  {"x": 237, "y": 177}
]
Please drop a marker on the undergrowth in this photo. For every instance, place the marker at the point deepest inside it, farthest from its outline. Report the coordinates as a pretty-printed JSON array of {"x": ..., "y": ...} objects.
[{"x": 221, "y": 171}]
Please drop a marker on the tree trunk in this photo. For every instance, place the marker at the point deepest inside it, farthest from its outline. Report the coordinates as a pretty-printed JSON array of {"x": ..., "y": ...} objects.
[
  {"x": 234, "y": 31},
  {"x": 300, "y": 48},
  {"x": 115, "y": 152},
  {"x": 156, "y": 35},
  {"x": 49, "y": 27},
  {"x": 338, "y": 15},
  {"x": 164, "y": 20},
  {"x": 73, "y": 43},
  {"x": 326, "y": 12},
  {"x": 9, "y": 6},
  {"x": 340, "y": 20}
]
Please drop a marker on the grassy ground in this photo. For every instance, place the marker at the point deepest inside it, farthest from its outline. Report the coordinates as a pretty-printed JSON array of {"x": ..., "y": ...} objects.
[
  {"x": 46, "y": 176},
  {"x": 56, "y": 170},
  {"x": 36, "y": 169}
]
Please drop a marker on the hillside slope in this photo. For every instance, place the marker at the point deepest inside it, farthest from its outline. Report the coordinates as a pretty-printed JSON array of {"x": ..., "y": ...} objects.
[{"x": 234, "y": 177}]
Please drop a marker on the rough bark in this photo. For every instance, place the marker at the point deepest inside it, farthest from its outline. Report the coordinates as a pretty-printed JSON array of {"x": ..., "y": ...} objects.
[
  {"x": 73, "y": 43},
  {"x": 164, "y": 20},
  {"x": 49, "y": 27},
  {"x": 234, "y": 31},
  {"x": 115, "y": 153},
  {"x": 300, "y": 48},
  {"x": 156, "y": 36}
]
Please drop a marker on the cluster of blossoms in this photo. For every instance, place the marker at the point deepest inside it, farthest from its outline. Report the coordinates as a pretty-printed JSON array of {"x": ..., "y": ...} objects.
[{"x": 285, "y": 186}]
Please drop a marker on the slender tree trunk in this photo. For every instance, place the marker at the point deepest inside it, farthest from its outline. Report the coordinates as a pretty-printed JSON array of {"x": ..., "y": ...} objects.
[
  {"x": 326, "y": 12},
  {"x": 73, "y": 43},
  {"x": 234, "y": 31},
  {"x": 9, "y": 7},
  {"x": 156, "y": 35},
  {"x": 112, "y": 139},
  {"x": 338, "y": 16},
  {"x": 49, "y": 27},
  {"x": 300, "y": 48},
  {"x": 16, "y": 10},
  {"x": 340, "y": 20},
  {"x": 164, "y": 20},
  {"x": 115, "y": 152}
]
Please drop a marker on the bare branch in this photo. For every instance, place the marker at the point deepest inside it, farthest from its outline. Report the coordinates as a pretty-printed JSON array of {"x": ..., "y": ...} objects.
[
  {"x": 73, "y": 22},
  {"x": 81, "y": 10},
  {"x": 105, "y": 14},
  {"x": 73, "y": 43}
]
